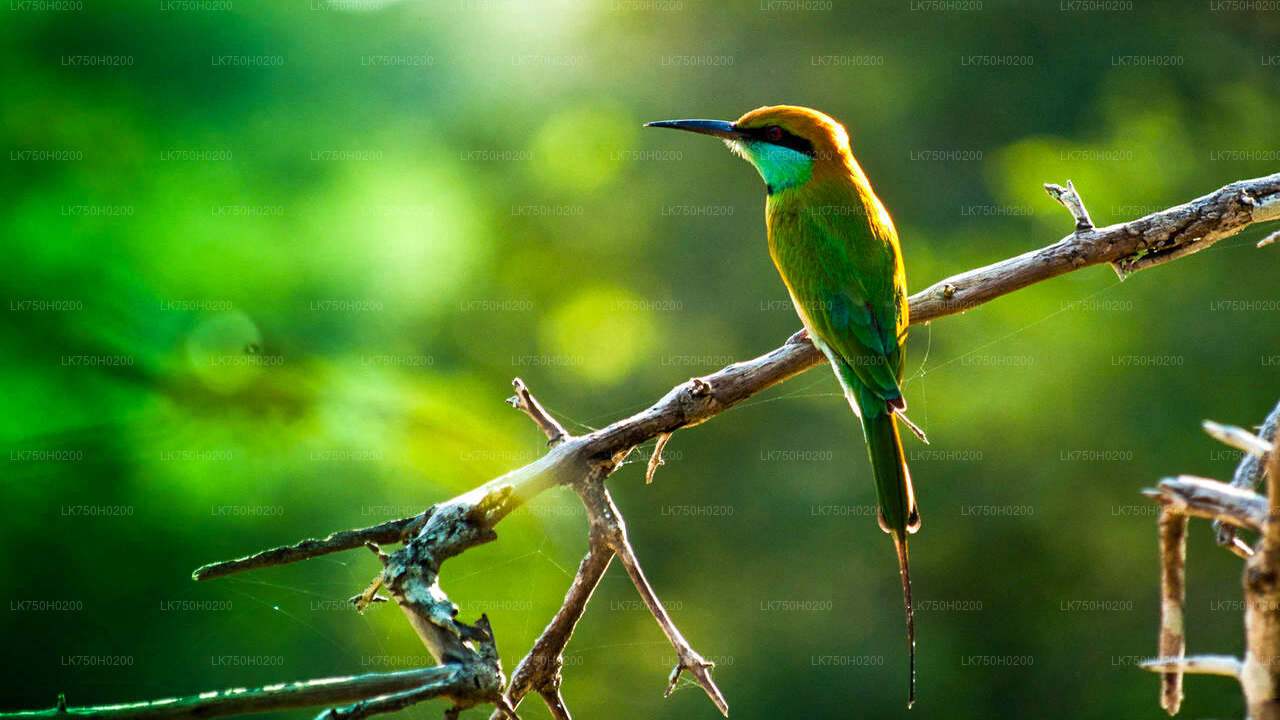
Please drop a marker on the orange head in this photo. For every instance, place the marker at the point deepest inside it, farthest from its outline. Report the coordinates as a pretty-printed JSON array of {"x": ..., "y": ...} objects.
[{"x": 789, "y": 145}]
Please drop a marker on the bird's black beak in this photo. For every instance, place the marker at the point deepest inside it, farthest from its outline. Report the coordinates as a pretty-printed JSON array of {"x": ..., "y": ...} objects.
[{"x": 716, "y": 128}]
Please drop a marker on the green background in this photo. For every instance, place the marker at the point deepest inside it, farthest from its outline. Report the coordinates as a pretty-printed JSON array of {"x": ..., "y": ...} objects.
[{"x": 304, "y": 289}]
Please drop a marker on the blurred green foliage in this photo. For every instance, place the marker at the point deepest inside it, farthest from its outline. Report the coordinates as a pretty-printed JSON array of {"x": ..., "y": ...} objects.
[{"x": 271, "y": 269}]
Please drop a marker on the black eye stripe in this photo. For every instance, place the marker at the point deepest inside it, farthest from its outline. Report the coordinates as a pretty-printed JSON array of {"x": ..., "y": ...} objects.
[{"x": 788, "y": 140}]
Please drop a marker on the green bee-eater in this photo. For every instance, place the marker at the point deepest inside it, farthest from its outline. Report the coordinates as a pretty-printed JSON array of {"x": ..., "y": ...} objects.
[{"x": 835, "y": 246}]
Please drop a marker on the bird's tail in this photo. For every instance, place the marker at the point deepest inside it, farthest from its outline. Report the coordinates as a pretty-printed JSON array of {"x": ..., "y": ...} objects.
[{"x": 898, "y": 514}]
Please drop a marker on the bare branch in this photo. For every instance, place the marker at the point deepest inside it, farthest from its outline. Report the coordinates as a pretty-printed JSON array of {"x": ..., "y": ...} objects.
[
  {"x": 1070, "y": 199},
  {"x": 540, "y": 670},
  {"x": 381, "y": 704},
  {"x": 392, "y": 531},
  {"x": 1151, "y": 240},
  {"x": 1260, "y": 675},
  {"x": 555, "y": 704},
  {"x": 438, "y": 681},
  {"x": 1173, "y": 561},
  {"x": 656, "y": 459},
  {"x": 1271, "y": 531},
  {"x": 1247, "y": 476},
  {"x": 606, "y": 516},
  {"x": 1238, "y": 438},
  {"x": 1224, "y": 665},
  {"x": 1250, "y": 470},
  {"x": 1202, "y": 497},
  {"x": 525, "y": 401}
]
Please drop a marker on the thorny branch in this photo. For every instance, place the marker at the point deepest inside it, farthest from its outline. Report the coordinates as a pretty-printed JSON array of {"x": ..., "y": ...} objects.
[
  {"x": 1173, "y": 553},
  {"x": 470, "y": 671},
  {"x": 1247, "y": 476},
  {"x": 1184, "y": 496}
]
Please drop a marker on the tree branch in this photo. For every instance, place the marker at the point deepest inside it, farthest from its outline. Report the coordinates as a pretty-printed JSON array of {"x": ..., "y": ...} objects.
[
  {"x": 1154, "y": 239},
  {"x": 438, "y": 681},
  {"x": 524, "y": 401},
  {"x": 1070, "y": 199},
  {"x": 1224, "y": 665},
  {"x": 1202, "y": 497},
  {"x": 540, "y": 670},
  {"x": 392, "y": 531},
  {"x": 1259, "y": 673},
  {"x": 605, "y": 516},
  {"x": 1173, "y": 563},
  {"x": 1247, "y": 476}
]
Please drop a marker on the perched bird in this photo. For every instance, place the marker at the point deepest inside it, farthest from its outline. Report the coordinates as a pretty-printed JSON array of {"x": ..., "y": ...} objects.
[{"x": 836, "y": 248}]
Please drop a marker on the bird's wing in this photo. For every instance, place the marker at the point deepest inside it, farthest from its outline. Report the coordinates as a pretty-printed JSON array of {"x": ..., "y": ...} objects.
[{"x": 849, "y": 298}]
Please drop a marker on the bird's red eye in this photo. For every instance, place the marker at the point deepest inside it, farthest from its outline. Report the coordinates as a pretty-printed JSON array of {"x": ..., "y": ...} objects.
[{"x": 773, "y": 132}]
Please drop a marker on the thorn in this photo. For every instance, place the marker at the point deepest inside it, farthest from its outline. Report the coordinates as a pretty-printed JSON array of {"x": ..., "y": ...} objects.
[
  {"x": 700, "y": 669},
  {"x": 369, "y": 596},
  {"x": 503, "y": 707},
  {"x": 61, "y": 707},
  {"x": 656, "y": 459},
  {"x": 1270, "y": 239},
  {"x": 1070, "y": 199},
  {"x": 1240, "y": 548},
  {"x": 382, "y": 557}
]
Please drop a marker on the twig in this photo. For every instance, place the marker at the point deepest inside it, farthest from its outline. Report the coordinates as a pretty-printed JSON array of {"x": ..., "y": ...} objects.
[
  {"x": 392, "y": 531},
  {"x": 1151, "y": 240},
  {"x": 1070, "y": 199},
  {"x": 555, "y": 703},
  {"x": 1173, "y": 561},
  {"x": 1202, "y": 497},
  {"x": 1238, "y": 438},
  {"x": 656, "y": 459},
  {"x": 1271, "y": 530},
  {"x": 525, "y": 401},
  {"x": 1247, "y": 476},
  {"x": 1224, "y": 665},
  {"x": 380, "y": 705},
  {"x": 540, "y": 669},
  {"x": 1260, "y": 674},
  {"x": 441, "y": 680},
  {"x": 606, "y": 516},
  {"x": 1250, "y": 470}
]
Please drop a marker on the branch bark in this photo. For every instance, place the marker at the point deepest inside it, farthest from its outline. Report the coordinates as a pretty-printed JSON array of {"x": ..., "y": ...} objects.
[
  {"x": 1259, "y": 673},
  {"x": 411, "y": 573},
  {"x": 438, "y": 681},
  {"x": 1173, "y": 562}
]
